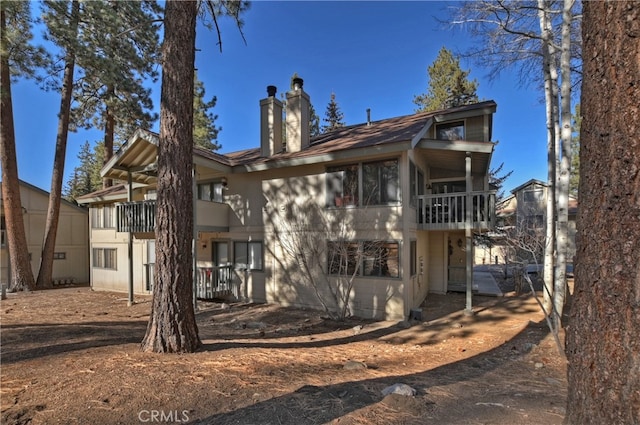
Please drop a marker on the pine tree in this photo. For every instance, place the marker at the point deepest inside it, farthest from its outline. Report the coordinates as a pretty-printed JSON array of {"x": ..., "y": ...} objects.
[
  {"x": 18, "y": 57},
  {"x": 205, "y": 132},
  {"x": 333, "y": 115},
  {"x": 314, "y": 122},
  {"x": 86, "y": 176},
  {"x": 120, "y": 51},
  {"x": 449, "y": 85}
]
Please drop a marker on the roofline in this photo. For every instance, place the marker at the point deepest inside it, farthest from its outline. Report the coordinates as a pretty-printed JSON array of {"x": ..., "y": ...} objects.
[
  {"x": 528, "y": 183},
  {"x": 47, "y": 194}
]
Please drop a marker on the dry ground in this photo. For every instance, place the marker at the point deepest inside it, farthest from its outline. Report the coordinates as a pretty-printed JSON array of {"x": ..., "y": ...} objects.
[{"x": 71, "y": 356}]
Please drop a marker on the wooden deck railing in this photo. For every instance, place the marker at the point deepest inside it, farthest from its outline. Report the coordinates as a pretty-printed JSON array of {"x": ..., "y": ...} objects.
[{"x": 449, "y": 211}]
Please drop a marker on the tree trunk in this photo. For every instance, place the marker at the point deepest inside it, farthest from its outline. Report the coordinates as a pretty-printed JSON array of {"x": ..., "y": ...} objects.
[
  {"x": 562, "y": 206},
  {"x": 603, "y": 347},
  {"x": 550, "y": 236},
  {"x": 172, "y": 325},
  {"x": 109, "y": 127},
  {"x": 45, "y": 274},
  {"x": 21, "y": 273}
]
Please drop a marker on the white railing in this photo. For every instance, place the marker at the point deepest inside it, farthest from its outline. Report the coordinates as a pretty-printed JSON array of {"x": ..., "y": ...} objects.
[{"x": 449, "y": 210}]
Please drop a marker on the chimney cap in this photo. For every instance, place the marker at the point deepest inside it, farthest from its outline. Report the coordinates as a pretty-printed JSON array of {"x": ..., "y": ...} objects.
[
  {"x": 271, "y": 91},
  {"x": 297, "y": 83}
]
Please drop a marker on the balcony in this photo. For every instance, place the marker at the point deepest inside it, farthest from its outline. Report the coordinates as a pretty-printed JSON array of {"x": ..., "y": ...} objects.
[
  {"x": 211, "y": 282},
  {"x": 136, "y": 217},
  {"x": 140, "y": 217},
  {"x": 449, "y": 211}
]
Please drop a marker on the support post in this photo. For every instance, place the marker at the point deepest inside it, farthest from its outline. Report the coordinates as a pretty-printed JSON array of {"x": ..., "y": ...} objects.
[
  {"x": 130, "y": 244},
  {"x": 468, "y": 235}
]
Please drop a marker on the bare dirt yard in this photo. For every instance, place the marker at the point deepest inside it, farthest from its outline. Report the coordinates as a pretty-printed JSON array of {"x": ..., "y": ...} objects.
[{"x": 71, "y": 356}]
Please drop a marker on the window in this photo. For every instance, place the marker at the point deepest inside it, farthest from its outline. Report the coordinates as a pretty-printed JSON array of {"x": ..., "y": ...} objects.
[
  {"x": 381, "y": 259},
  {"x": 366, "y": 258},
  {"x": 380, "y": 183},
  {"x": 450, "y": 131},
  {"x": 533, "y": 195},
  {"x": 104, "y": 258},
  {"x": 342, "y": 185},
  {"x": 416, "y": 182},
  {"x": 343, "y": 258},
  {"x": 211, "y": 191},
  {"x": 413, "y": 257},
  {"x": 375, "y": 183},
  {"x": 103, "y": 217},
  {"x": 248, "y": 255},
  {"x": 59, "y": 255}
]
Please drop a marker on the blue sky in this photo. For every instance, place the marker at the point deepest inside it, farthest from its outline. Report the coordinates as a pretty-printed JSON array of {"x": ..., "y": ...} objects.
[{"x": 371, "y": 54}]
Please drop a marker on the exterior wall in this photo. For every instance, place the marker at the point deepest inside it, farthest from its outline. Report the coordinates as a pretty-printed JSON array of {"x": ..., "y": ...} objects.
[
  {"x": 72, "y": 238},
  {"x": 118, "y": 280}
]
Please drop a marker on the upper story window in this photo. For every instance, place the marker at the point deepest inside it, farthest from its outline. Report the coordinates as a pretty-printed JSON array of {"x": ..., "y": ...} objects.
[
  {"x": 103, "y": 217},
  {"x": 450, "y": 131},
  {"x": 371, "y": 183},
  {"x": 535, "y": 195},
  {"x": 211, "y": 191}
]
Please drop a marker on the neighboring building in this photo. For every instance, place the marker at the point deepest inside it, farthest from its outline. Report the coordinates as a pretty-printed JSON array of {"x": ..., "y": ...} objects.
[
  {"x": 523, "y": 214},
  {"x": 71, "y": 254},
  {"x": 390, "y": 202}
]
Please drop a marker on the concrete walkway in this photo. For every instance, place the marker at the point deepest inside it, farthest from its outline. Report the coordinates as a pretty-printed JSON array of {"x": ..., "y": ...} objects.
[{"x": 485, "y": 284}]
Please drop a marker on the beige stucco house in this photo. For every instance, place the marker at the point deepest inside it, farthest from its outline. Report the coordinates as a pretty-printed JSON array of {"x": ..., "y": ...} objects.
[
  {"x": 71, "y": 255},
  {"x": 389, "y": 206}
]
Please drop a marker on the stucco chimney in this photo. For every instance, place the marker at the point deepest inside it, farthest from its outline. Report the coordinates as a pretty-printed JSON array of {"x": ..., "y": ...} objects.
[
  {"x": 270, "y": 123},
  {"x": 297, "y": 117}
]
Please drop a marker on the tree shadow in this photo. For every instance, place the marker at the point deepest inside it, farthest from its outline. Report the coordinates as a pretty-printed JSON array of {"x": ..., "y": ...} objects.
[
  {"x": 322, "y": 404},
  {"x": 27, "y": 342}
]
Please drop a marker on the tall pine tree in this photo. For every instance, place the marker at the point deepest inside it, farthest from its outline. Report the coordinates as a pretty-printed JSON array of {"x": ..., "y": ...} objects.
[
  {"x": 449, "y": 85},
  {"x": 17, "y": 58},
  {"x": 333, "y": 117}
]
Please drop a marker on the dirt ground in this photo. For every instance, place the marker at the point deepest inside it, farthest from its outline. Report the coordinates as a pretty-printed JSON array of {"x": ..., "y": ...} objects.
[{"x": 71, "y": 356}]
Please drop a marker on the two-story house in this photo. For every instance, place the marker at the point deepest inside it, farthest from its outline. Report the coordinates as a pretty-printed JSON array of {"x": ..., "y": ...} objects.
[
  {"x": 523, "y": 215},
  {"x": 389, "y": 207}
]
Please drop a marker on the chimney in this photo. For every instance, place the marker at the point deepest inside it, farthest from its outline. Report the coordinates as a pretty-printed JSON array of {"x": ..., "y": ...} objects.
[
  {"x": 297, "y": 117},
  {"x": 270, "y": 124},
  {"x": 368, "y": 116}
]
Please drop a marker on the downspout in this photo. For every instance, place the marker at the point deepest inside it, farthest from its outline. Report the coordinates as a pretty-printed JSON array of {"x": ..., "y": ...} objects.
[
  {"x": 468, "y": 235},
  {"x": 130, "y": 219}
]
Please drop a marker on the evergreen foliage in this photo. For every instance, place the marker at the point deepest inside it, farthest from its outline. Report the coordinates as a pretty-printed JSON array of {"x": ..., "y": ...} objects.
[
  {"x": 334, "y": 118},
  {"x": 449, "y": 85},
  {"x": 205, "y": 132},
  {"x": 85, "y": 177},
  {"x": 314, "y": 122}
]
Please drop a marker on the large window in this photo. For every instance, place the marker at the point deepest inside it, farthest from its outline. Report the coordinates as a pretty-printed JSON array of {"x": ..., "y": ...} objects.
[
  {"x": 373, "y": 183},
  {"x": 105, "y": 258},
  {"x": 535, "y": 195},
  {"x": 211, "y": 191},
  {"x": 364, "y": 258},
  {"x": 450, "y": 131},
  {"x": 103, "y": 217},
  {"x": 248, "y": 255}
]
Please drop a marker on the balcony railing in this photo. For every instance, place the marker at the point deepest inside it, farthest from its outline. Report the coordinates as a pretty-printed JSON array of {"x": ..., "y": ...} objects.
[
  {"x": 136, "y": 216},
  {"x": 449, "y": 211},
  {"x": 215, "y": 282},
  {"x": 140, "y": 217},
  {"x": 211, "y": 282}
]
